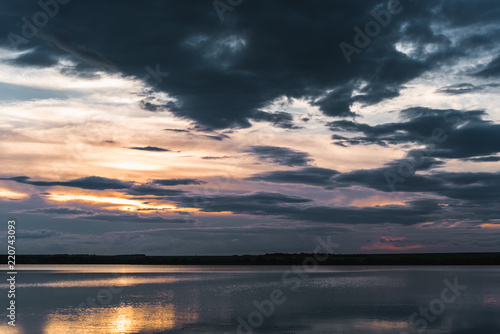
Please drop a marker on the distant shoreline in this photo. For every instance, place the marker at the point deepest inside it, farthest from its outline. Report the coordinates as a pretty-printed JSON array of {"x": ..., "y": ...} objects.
[{"x": 269, "y": 259}]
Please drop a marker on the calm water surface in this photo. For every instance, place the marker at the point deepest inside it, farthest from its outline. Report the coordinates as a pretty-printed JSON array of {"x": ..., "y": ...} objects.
[{"x": 106, "y": 299}]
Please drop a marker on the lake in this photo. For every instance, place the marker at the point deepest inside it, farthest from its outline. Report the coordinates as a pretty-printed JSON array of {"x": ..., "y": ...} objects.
[{"x": 104, "y": 299}]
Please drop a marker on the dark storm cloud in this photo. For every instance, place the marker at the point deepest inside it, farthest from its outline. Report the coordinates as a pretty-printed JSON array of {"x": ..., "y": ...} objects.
[
  {"x": 223, "y": 74},
  {"x": 490, "y": 70},
  {"x": 280, "y": 155},
  {"x": 178, "y": 182},
  {"x": 463, "y": 13},
  {"x": 217, "y": 158},
  {"x": 149, "y": 106},
  {"x": 279, "y": 119},
  {"x": 152, "y": 188},
  {"x": 462, "y": 134},
  {"x": 251, "y": 200},
  {"x": 299, "y": 208},
  {"x": 83, "y": 53},
  {"x": 209, "y": 132},
  {"x": 465, "y": 88},
  {"x": 476, "y": 187},
  {"x": 470, "y": 186},
  {"x": 176, "y": 130},
  {"x": 198, "y": 130},
  {"x": 101, "y": 183},
  {"x": 473, "y": 186},
  {"x": 154, "y": 191},
  {"x": 134, "y": 218},
  {"x": 484, "y": 159},
  {"x": 422, "y": 163},
  {"x": 219, "y": 137},
  {"x": 58, "y": 211},
  {"x": 150, "y": 148},
  {"x": 90, "y": 182},
  {"x": 337, "y": 103},
  {"x": 321, "y": 177},
  {"x": 465, "y": 195}
]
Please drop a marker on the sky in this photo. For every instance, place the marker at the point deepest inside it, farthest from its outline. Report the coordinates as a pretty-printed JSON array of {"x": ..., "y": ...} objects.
[{"x": 249, "y": 127}]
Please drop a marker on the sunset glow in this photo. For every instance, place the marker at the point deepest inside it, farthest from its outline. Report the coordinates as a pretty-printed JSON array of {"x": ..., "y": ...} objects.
[{"x": 241, "y": 138}]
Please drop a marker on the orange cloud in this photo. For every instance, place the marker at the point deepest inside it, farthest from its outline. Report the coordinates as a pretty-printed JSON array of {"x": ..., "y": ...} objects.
[
  {"x": 115, "y": 202},
  {"x": 9, "y": 194},
  {"x": 375, "y": 201},
  {"x": 497, "y": 226}
]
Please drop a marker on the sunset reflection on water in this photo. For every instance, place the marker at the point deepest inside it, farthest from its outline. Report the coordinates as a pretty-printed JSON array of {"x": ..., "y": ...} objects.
[
  {"x": 144, "y": 318},
  {"x": 102, "y": 299}
]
